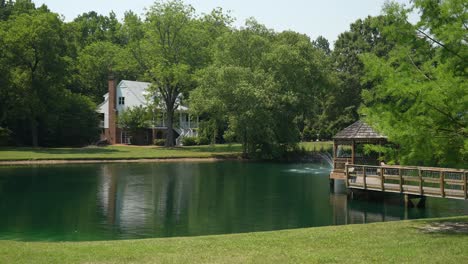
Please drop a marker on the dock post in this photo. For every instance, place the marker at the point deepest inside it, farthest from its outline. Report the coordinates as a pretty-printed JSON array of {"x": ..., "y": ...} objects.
[{"x": 408, "y": 202}]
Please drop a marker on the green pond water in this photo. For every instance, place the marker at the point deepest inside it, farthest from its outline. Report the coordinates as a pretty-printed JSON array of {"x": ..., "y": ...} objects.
[{"x": 127, "y": 201}]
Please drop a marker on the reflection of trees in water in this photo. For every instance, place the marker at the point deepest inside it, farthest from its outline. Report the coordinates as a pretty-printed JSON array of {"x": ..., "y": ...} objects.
[
  {"x": 145, "y": 197},
  {"x": 179, "y": 199},
  {"x": 205, "y": 198},
  {"x": 49, "y": 203},
  {"x": 370, "y": 207}
]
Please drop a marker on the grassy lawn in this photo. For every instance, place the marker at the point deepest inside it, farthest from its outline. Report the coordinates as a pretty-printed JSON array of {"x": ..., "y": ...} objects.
[
  {"x": 391, "y": 242},
  {"x": 118, "y": 152},
  {"x": 318, "y": 146},
  {"x": 131, "y": 152}
]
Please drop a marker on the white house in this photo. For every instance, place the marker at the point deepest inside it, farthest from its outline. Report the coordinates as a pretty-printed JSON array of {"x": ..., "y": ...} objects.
[{"x": 128, "y": 94}]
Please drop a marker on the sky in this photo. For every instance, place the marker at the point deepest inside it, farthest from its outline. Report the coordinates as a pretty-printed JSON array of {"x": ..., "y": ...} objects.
[{"x": 327, "y": 18}]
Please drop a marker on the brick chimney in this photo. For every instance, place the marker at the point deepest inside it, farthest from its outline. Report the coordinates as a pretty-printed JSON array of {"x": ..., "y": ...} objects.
[{"x": 112, "y": 130}]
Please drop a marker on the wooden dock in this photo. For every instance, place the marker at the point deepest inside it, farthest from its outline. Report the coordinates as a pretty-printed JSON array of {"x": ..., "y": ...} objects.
[{"x": 421, "y": 181}]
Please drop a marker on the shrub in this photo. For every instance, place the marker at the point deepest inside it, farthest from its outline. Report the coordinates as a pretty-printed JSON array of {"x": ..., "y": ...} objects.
[
  {"x": 159, "y": 142},
  {"x": 203, "y": 141},
  {"x": 5, "y": 136},
  {"x": 189, "y": 141}
]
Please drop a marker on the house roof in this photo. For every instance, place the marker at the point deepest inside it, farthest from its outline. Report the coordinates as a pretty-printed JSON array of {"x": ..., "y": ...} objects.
[{"x": 359, "y": 130}]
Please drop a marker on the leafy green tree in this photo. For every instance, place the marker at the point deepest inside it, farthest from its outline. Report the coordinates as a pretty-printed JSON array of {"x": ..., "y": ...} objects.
[
  {"x": 420, "y": 97},
  {"x": 72, "y": 121},
  {"x": 170, "y": 47},
  {"x": 35, "y": 57},
  {"x": 233, "y": 91},
  {"x": 322, "y": 44},
  {"x": 135, "y": 120},
  {"x": 95, "y": 62},
  {"x": 364, "y": 36},
  {"x": 277, "y": 73},
  {"x": 91, "y": 27},
  {"x": 36, "y": 106}
]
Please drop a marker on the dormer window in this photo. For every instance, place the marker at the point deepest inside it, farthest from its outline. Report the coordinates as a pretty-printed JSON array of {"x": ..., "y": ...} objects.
[{"x": 121, "y": 100}]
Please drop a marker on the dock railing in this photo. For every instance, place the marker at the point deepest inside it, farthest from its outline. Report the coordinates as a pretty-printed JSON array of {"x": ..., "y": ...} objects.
[{"x": 424, "y": 181}]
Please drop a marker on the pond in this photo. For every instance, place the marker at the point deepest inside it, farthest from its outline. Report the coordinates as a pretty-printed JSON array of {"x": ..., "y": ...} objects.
[{"x": 145, "y": 200}]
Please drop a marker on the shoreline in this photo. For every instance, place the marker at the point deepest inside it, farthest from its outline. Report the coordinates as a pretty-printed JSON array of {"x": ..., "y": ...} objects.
[{"x": 94, "y": 161}]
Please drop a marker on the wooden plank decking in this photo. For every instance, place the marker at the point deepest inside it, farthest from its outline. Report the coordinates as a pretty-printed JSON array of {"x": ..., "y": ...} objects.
[{"x": 423, "y": 181}]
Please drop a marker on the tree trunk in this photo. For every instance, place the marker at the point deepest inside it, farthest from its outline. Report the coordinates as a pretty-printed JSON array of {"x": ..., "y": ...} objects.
[
  {"x": 170, "y": 127},
  {"x": 34, "y": 136}
]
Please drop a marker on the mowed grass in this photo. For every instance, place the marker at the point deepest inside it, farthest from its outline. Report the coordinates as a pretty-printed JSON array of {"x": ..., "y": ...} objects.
[
  {"x": 133, "y": 152},
  {"x": 321, "y": 146},
  {"x": 118, "y": 152},
  {"x": 391, "y": 242}
]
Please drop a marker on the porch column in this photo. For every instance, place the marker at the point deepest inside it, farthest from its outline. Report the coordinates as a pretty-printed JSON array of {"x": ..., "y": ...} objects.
[
  {"x": 180, "y": 119},
  {"x": 335, "y": 152},
  {"x": 189, "y": 120},
  {"x": 353, "y": 152},
  {"x": 335, "y": 149}
]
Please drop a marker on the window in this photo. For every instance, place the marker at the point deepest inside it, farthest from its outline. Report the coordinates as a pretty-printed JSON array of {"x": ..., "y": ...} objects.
[{"x": 121, "y": 100}]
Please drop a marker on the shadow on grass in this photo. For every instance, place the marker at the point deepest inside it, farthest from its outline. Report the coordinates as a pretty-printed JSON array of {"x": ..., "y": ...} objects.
[{"x": 450, "y": 226}]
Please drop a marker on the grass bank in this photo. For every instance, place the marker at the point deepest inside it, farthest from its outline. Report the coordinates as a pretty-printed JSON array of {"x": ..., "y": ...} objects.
[
  {"x": 118, "y": 152},
  {"x": 133, "y": 152},
  {"x": 391, "y": 242}
]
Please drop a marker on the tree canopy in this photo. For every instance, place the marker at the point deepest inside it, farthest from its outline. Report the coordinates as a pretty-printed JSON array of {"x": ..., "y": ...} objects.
[
  {"x": 254, "y": 85},
  {"x": 420, "y": 97}
]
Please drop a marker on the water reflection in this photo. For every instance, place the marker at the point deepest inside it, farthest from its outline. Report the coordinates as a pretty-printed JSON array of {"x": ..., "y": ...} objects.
[{"x": 121, "y": 201}]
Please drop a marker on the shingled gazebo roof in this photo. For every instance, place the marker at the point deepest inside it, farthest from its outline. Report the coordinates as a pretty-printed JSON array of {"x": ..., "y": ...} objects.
[{"x": 361, "y": 132}]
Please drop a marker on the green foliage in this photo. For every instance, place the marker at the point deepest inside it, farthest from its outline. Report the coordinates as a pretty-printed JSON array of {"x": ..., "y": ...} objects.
[
  {"x": 73, "y": 122},
  {"x": 420, "y": 96},
  {"x": 159, "y": 142},
  {"x": 263, "y": 84},
  {"x": 189, "y": 141},
  {"x": 5, "y": 136},
  {"x": 364, "y": 36},
  {"x": 203, "y": 141},
  {"x": 170, "y": 46},
  {"x": 34, "y": 57},
  {"x": 95, "y": 62},
  {"x": 134, "y": 119}
]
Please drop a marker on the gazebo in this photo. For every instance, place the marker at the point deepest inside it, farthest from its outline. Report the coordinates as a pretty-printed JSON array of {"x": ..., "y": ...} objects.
[{"x": 347, "y": 147}]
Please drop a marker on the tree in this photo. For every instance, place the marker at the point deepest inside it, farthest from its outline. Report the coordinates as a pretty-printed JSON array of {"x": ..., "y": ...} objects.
[
  {"x": 364, "y": 36},
  {"x": 322, "y": 44},
  {"x": 36, "y": 106},
  {"x": 263, "y": 83},
  {"x": 232, "y": 91},
  {"x": 92, "y": 27},
  {"x": 134, "y": 120},
  {"x": 173, "y": 46},
  {"x": 72, "y": 121},
  {"x": 35, "y": 56},
  {"x": 95, "y": 62},
  {"x": 420, "y": 97}
]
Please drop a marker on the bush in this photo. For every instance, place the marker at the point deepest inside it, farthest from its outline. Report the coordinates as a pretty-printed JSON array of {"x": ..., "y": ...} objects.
[
  {"x": 189, "y": 141},
  {"x": 159, "y": 142},
  {"x": 5, "y": 136},
  {"x": 203, "y": 141}
]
